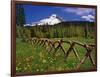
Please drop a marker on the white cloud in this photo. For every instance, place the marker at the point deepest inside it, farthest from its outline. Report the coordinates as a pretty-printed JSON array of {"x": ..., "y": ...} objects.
[
  {"x": 85, "y": 13},
  {"x": 91, "y": 16},
  {"x": 80, "y": 11},
  {"x": 88, "y": 18}
]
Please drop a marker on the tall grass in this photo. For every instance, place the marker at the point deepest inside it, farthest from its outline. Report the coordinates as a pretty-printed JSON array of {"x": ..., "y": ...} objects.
[{"x": 35, "y": 58}]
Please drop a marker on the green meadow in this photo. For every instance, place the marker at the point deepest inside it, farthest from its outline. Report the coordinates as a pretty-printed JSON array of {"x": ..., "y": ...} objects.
[{"x": 35, "y": 58}]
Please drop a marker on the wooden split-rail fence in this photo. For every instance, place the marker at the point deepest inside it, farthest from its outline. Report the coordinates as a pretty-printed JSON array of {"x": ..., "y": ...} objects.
[{"x": 58, "y": 45}]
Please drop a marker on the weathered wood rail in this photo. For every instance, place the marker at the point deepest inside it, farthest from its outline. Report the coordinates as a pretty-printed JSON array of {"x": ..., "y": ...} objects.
[{"x": 56, "y": 45}]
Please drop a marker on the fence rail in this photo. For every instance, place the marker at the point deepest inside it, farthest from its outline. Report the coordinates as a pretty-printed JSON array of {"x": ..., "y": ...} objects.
[{"x": 57, "y": 44}]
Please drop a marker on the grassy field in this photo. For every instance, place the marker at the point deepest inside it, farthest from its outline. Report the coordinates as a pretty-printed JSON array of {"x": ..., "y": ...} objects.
[{"x": 35, "y": 58}]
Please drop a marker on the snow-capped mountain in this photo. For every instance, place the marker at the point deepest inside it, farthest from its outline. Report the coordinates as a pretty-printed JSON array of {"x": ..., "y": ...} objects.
[{"x": 51, "y": 20}]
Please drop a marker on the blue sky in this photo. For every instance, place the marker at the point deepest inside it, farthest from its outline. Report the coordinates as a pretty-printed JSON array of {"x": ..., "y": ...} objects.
[{"x": 34, "y": 13}]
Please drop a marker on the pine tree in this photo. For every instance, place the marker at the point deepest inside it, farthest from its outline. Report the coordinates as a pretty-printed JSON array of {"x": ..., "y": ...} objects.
[{"x": 20, "y": 16}]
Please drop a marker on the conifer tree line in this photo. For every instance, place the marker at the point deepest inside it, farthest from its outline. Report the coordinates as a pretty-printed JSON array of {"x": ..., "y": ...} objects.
[{"x": 68, "y": 30}]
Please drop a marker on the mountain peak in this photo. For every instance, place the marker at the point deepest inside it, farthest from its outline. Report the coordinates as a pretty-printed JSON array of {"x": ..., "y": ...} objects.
[
  {"x": 51, "y": 20},
  {"x": 53, "y": 16}
]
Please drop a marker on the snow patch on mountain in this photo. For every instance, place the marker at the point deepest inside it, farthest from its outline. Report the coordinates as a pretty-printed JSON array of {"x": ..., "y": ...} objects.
[{"x": 51, "y": 20}]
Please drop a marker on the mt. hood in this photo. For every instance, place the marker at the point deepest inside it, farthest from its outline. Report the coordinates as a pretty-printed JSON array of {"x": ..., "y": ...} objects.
[{"x": 51, "y": 20}]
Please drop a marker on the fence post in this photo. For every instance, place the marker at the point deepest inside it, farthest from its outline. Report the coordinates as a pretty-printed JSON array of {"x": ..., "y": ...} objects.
[{"x": 88, "y": 54}]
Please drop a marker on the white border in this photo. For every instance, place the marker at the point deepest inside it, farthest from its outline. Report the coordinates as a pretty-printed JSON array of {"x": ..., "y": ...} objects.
[{"x": 5, "y": 36}]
